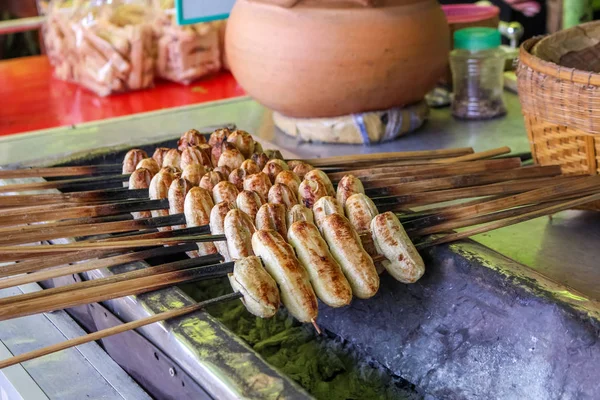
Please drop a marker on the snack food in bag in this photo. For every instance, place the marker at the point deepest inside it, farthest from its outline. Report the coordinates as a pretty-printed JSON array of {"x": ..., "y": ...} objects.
[
  {"x": 107, "y": 46},
  {"x": 185, "y": 53},
  {"x": 59, "y": 38}
]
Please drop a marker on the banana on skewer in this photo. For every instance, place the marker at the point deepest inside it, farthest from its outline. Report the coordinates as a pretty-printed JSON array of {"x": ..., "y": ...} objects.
[
  {"x": 190, "y": 138},
  {"x": 193, "y": 173},
  {"x": 299, "y": 213},
  {"x": 290, "y": 179},
  {"x": 210, "y": 180},
  {"x": 140, "y": 179},
  {"x": 177, "y": 194},
  {"x": 272, "y": 217},
  {"x": 243, "y": 141},
  {"x": 172, "y": 159},
  {"x": 261, "y": 295},
  {"x": 282, "y": 194},
  {"x": 159, "y": 189},
  {"x": 159, "y": 155},
  {"x": 249, "y": 202},
  {"x": 132, "y": 159},
  {"x": 217, "y": 226},
  {"x": 150, "y": 164}
]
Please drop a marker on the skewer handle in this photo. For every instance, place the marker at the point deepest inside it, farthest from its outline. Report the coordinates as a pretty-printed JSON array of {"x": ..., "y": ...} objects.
[
  {"x": 509, "y": 221},
  {"x": 475, "y": 156},
  {"x": 389, "y": 157},
  {"x": 49, "y": 172},
  {"x": 115, "y": 330}
]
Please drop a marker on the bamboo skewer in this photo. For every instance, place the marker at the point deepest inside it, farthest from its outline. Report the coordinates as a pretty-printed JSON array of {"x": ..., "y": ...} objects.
[
  {"x": 35, "y": 257},
  {"x": 509, "y": 221},
  {"x": 66, "y": 184},
  {"x": 572, "y": 186},
  {"x": 208, "y": 260},
  {"x": 48, "y": 260},
  {"x": 30, "y": 234},
  {"x": 95, "y": 264},
  {"x": 36, "y": 233},
  {"x": 55, "y": 211},
  {"x": 44, "y": 233},
  {"x": 408, "y": 217},
  {"x": 88, "y": 170},
  {"x": 378, "y": 157},
  {"x": 459, "y": 181},
  {"x": 12, "y": 253},
  {"x": 17, "y": 235},
  {"x": 194, "y": 231},
  {"x": 44, "y": 207},
  {"x": 97, "y": 196},
  {"x": 42, "y": 213},
  {"x": 422, "y": 224},
  {"x": 416, "y": 172},
  {"x": 68, "y": 222},
  {"x": 453, "y": 224},
  {"x": 111, "y": 291},
  {"x": 52, "y": 259},
  {"x": 116, "y": 330},
  {"x": 41, "y": 263},
  {"x": 82, "y": 197},
  {"x": 51, "y": 172},
  {"x": 475, "y": 156},
  {"x": 433, "y": 184},
  {"x": 376, "y": 184},
  {"x": 468, "y": 157},
  {"x": 392, "y": 170},
  {"x": 123, "y": 219},
  {"x": 477, "y": 219},
  {"x": 10, "y": 210},
  {"x": 438, "y": 196},
  {"x": 74, "y": 183}
]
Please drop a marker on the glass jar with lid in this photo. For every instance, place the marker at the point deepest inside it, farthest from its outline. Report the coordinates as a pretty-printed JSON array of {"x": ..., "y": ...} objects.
[{"x": 477, "y": 64}]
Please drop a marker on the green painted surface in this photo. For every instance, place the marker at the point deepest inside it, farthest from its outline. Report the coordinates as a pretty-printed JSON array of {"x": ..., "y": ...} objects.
[{"x": 500, "y": 239}]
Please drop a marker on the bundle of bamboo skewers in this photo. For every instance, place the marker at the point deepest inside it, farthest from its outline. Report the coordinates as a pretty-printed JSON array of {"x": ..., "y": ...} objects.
[{"x": 491, "y": 192}]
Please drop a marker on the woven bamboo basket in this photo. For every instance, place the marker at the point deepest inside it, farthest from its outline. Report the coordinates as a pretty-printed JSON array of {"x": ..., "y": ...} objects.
[{"x": 559, "y": 89}]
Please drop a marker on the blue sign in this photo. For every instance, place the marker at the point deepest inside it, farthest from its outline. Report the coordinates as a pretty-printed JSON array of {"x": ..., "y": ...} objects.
[{"x": 195, "y": 11}]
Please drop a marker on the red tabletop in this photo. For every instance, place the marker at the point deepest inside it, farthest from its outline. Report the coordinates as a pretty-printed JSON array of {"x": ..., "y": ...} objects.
[{"x": 31, "y": 99}]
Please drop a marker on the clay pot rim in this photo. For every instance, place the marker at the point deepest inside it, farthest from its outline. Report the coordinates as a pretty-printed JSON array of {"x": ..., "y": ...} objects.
[
  {"x": 342, "y": 11},
  {"x": 468, "y": 13}
]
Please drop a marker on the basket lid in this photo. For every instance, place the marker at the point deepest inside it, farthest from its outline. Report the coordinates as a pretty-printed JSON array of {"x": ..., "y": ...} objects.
[{"x": 475, "y": 39}]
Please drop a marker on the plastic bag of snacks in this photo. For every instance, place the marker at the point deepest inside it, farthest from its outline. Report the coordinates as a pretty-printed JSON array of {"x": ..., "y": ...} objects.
[
  {"x": 111, "y": 44},
  {"x": 59, "y": 38},
  {"x": 185, "y": 53},
  {"x": 222, "y": 26}
]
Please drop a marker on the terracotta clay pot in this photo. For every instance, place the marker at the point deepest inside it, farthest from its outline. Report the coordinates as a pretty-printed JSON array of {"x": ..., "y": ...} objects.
[{"x": 323, "y": 58}]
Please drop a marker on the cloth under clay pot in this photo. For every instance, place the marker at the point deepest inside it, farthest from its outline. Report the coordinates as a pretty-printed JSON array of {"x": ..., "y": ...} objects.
[{"x": 325, "y": 58}]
